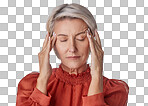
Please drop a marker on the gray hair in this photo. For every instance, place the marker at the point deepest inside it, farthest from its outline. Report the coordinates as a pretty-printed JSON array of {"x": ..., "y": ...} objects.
[{"x": 71, "y": 11}]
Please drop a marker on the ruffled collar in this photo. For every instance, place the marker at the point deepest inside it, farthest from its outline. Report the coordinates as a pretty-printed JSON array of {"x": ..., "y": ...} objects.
[{"x": 73, "y": 78}]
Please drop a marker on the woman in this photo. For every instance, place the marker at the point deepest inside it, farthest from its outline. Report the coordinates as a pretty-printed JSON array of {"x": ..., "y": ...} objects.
[{"x": 72, "y": 32}]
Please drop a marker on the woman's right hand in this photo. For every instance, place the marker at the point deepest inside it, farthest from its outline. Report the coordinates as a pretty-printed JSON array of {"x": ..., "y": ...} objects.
[
  {"x": 44, "y": 56},
  {"x": 44, "y": 62}
]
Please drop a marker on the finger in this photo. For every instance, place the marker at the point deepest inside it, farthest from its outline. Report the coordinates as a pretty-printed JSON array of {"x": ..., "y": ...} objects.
[
  {"x": 97, "y": 45},
  {"x": 92, "y": 47},
  {"x": 98, "y": 48},
  {"x": 47, "y": 46},
  {"x": 93, "y": 38},
  {"x": 50, "y": 43},
  {"x": 99, "y": 52},
  {"x": 98, "y": 38},
  {"x": 54, "y": 39},
  {"x": 46, "y": 40},
  {"x": 95, "y": 42}
]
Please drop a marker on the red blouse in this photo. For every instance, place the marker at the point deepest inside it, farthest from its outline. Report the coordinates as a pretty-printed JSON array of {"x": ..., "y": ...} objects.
[{"x": 70, "y": 90}]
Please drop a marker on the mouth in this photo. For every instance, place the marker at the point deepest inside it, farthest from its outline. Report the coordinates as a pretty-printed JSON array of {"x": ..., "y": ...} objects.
[{"x": 73, "y": 57}]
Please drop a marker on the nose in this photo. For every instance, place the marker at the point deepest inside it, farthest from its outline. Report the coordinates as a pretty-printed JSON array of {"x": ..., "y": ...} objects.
[{"x": 72, "y": 46}]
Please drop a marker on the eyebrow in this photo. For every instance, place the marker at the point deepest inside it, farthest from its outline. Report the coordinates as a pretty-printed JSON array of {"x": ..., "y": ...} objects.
[
  {"x": 62, "y": 35},
  {"x": 67, "y": 35}
]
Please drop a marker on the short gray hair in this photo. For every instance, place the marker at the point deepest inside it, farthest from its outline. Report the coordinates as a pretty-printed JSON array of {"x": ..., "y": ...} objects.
[{"x": 71, "y": 11}]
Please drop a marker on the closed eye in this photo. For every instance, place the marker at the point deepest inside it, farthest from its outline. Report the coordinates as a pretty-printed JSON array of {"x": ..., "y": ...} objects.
[
  {"x": 81, "y": 39},
  {"x": 77, "y": 39},
  {"x": 63, "y": 40}
]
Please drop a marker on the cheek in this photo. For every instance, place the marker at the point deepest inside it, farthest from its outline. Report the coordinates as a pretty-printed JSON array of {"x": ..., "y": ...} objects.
[
  {"x": 60, "y": 48},
  {"x": 84, "y": 47}
]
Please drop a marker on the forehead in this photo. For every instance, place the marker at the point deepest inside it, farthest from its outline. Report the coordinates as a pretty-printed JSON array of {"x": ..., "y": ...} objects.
[{"x": 69, "y": 26}]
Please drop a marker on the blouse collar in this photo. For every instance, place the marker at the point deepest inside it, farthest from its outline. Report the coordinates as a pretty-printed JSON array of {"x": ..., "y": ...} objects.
[{"x": 73, "y": 78}]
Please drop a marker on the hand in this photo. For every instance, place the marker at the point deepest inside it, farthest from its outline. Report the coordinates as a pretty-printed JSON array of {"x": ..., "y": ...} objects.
[
  {"x": 44, "y": 63},
  {"x": 97, "y": 54},
  {"x": 96, "y": 85},
  {"x": 44, "y": 56}
]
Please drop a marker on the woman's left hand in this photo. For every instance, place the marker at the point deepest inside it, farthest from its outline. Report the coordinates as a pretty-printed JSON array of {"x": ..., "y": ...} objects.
[
  {"x": 96, "y": 85},
  {"x": 97, "y": 54}
]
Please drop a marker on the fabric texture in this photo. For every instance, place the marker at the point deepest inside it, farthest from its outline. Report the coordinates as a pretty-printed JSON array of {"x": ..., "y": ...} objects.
[{"x": 66, "y": 89}]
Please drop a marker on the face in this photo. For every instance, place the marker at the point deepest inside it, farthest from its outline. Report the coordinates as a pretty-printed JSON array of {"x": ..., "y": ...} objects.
[{"x": 72, "y": 41}]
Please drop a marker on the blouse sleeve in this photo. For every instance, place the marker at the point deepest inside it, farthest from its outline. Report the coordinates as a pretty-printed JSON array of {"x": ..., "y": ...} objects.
[
  {"x": 115, "y": 93},
  {"x": 28, "y": 94}
]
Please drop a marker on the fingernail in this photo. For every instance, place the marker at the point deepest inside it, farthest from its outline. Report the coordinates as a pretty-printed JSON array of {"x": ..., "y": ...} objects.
[
  {"x": 89, "y": 31},
  {"x": 47, "y": 33},
  {"x": 54, "y": 34},
  {"x": 88, "y": 34},
  {"x": 95, "y": 38}
]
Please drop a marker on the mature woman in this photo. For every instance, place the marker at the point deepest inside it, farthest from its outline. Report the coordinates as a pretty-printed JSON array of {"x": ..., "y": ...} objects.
[{"x": 72, "y": 32}]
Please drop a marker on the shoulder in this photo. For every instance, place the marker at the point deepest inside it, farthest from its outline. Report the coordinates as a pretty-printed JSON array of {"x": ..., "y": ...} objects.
[
  {"x": 29, "y": 80},
  {"x": 115, "y": 92},
  {"x": 33, "y": 76},
  {"x": 115, "y": 84},
  {"x": 30, "y": 76}
]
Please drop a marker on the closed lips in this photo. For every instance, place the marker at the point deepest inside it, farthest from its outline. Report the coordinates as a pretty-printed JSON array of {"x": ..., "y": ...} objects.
[{"x": 73, "y": 56}]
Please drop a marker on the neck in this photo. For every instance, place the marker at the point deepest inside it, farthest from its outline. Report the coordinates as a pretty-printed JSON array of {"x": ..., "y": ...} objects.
[{"x": 74, "y": 70}]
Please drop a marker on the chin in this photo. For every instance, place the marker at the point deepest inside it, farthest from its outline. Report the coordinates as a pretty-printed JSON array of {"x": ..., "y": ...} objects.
[{"x": 73, "y": 64}]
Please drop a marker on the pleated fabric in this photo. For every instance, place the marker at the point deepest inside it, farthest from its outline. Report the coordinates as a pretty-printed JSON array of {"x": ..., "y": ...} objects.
[{"x": 66, "y": 89}]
